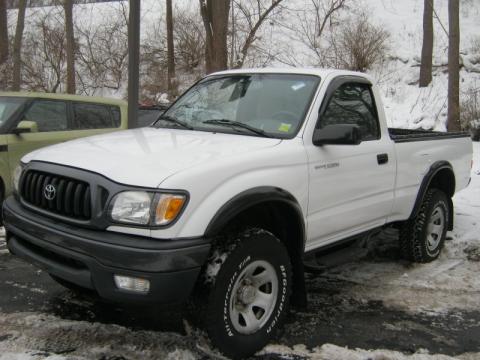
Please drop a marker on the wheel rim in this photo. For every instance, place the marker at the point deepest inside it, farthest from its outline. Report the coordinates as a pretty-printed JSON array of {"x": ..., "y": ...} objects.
[
  {"x": 254, "y": 297},
  {"x": 435, "y": 228}
]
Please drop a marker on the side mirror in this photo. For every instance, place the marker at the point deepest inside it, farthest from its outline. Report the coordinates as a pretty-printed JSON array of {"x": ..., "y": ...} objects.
[
  {"x": 340, "y": 134},
  {"x": 25, "y": 126}
]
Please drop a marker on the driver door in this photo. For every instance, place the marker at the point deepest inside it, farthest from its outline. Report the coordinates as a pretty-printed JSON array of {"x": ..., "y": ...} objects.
[{"x": 351, "y": 186}]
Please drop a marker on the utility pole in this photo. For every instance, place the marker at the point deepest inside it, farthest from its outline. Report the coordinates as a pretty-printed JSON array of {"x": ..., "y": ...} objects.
[
  {"x": 68, "y": 8},
  {"x": 170, "y": 53},
  {"x": 133, "y": 61}
]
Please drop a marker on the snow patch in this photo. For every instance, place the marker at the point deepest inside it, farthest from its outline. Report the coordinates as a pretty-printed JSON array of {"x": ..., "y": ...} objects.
[{"x": 333, "y": 352}]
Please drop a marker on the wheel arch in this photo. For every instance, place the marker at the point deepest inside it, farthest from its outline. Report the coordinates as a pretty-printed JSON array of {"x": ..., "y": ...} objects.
[
  {"x": 268, "y": 207},
  {"x": 439, "y": 176}
]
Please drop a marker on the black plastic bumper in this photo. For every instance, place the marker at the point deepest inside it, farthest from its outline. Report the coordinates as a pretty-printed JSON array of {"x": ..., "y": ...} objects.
[{"x": 90, "y": 258}]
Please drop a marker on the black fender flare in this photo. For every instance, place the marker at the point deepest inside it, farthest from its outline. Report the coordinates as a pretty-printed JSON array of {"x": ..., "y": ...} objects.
[
  {"x": 425, "y": 185},
  {"x": 251, "y": 197}
]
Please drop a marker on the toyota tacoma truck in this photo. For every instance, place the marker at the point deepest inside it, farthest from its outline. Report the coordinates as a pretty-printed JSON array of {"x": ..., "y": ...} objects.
[{"x": 221, "y": 200}]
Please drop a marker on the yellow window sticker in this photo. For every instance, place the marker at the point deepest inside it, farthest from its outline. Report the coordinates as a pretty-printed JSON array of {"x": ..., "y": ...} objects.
[{"x": 284, "y": 127}]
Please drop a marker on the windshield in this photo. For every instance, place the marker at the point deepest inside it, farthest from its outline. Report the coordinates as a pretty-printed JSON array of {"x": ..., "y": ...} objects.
[
  {"x": 8, "y": 105},
  {"x": 273, "y": 104}
]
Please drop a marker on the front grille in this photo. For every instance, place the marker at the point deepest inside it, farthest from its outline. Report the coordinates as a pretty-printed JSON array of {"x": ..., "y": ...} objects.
[{"x": 71, "y": 197}]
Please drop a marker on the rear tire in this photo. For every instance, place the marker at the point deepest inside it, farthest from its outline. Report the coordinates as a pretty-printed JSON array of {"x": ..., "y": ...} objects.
[
  {"x": 422, "y": 237},
  {"x": 243, "y": 295}
]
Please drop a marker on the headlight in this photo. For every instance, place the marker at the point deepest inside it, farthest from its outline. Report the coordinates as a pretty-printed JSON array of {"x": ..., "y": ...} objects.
[
  {"x": 17, "y": 173},
  {"x": 132, "y": 207},
  {"x": 146, "y": 208}
]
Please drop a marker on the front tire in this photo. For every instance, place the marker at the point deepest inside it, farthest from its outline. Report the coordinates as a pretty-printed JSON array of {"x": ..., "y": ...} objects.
[
  {"x": 248, "y": 298},
  {"x": 422, "y": 238}
]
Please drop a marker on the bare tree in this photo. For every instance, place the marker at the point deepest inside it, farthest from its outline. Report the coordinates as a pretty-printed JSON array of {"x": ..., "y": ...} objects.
[
  {"x": 215, "y": 20},
  {"x": 3, "y": 43},
  {"x": 427, "y": 46},
  {"x": 43, "y": 54},
  {"x": 170, "y": 51},
  {"x": 359, "y": 44},
  {"x": 3, "y": 32},
  {"x": 189, "y": 40},
  {"x": 453, "y": 122},
  {"x": 254, "y": 20},
  {"x": 103, "y": 53},
  {"x": 313, "y": 23},
  {"x": 17, "y": 45},
  {"x": 68, "y": 8}
]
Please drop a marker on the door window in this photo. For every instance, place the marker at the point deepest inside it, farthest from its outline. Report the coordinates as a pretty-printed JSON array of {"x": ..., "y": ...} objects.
[
  {"x": 352, "y": 103},
  {"x": 49, "y": 115},
  {"x": 95, "y": 116},
  {"x": 8, "y": 106}
]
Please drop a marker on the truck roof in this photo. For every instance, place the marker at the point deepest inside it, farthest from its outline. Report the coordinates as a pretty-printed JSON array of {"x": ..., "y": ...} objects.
[
  {"x": 323, "y": 73},
  {"x": 55, "y": 96}
]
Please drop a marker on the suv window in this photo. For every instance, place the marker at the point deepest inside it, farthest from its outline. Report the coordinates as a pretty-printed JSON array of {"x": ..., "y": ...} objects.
[
  {"x": 48, "y": 114},
  {"x": 352, "y": 103},
  {"x": 95, "y": 116}
]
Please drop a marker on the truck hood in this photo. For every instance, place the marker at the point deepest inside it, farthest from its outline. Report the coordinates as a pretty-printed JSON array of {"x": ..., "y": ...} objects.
[{"x": 147, "y": 156}]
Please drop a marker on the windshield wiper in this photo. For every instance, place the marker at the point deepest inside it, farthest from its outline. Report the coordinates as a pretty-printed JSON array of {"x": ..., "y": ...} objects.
[
  {"x": 231, "y": 123},
  {"x": 176, "y": 121}
]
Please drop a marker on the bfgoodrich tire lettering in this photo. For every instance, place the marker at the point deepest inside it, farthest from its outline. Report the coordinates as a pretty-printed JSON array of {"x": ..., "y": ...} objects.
[
  {"x": 422, "y": 237},
  {"x": 249, "y": 298}
]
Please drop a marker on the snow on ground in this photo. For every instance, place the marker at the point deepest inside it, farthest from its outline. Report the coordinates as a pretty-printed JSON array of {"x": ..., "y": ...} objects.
[
  {"x": 333, "y": 352},
  {"x": 33, "y": 336}
]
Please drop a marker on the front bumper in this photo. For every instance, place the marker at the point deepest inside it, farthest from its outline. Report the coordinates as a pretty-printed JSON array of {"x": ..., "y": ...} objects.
[{"x": 90, "y": 258}]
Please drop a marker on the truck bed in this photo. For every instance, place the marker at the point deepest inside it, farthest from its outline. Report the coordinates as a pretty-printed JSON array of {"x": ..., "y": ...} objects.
[{"x": 407, "y": 135}]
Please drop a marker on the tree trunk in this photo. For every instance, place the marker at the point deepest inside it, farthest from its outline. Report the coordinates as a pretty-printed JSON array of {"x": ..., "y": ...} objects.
[
  {"x": 170, "y": 52},
  {"x": 453, "y": 123},
  {"x": 70, "y": 50},
  {"x": 427, "y": 47},
  {"x": 3, "y": 32},
  {"x": 17, "y": 46},
  {"x": 3, "y": 44},
  {"x": 215, "y": 19}
]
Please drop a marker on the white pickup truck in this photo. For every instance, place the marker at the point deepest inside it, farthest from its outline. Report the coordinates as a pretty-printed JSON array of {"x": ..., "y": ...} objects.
[{"x": 222, "y": 198}]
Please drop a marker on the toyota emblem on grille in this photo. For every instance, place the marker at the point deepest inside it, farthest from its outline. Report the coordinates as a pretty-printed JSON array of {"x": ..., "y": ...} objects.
[{"x": 49, "y": 191}]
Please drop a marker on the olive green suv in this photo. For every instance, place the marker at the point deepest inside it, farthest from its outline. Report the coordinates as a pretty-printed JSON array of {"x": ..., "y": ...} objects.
[{"x": 29, "y": 121}]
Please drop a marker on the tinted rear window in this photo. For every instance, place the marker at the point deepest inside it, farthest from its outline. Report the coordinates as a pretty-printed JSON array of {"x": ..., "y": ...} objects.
[{"x": 95, "y": 116}]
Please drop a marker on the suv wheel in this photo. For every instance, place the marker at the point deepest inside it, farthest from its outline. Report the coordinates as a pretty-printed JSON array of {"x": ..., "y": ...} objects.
[
  {"x": 246, "y": 293},
  {"x": 422, "y": 238}
]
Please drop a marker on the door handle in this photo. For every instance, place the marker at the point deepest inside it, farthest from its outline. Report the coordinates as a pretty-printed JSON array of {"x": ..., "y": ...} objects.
[{"x": 382, "y": 159}]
